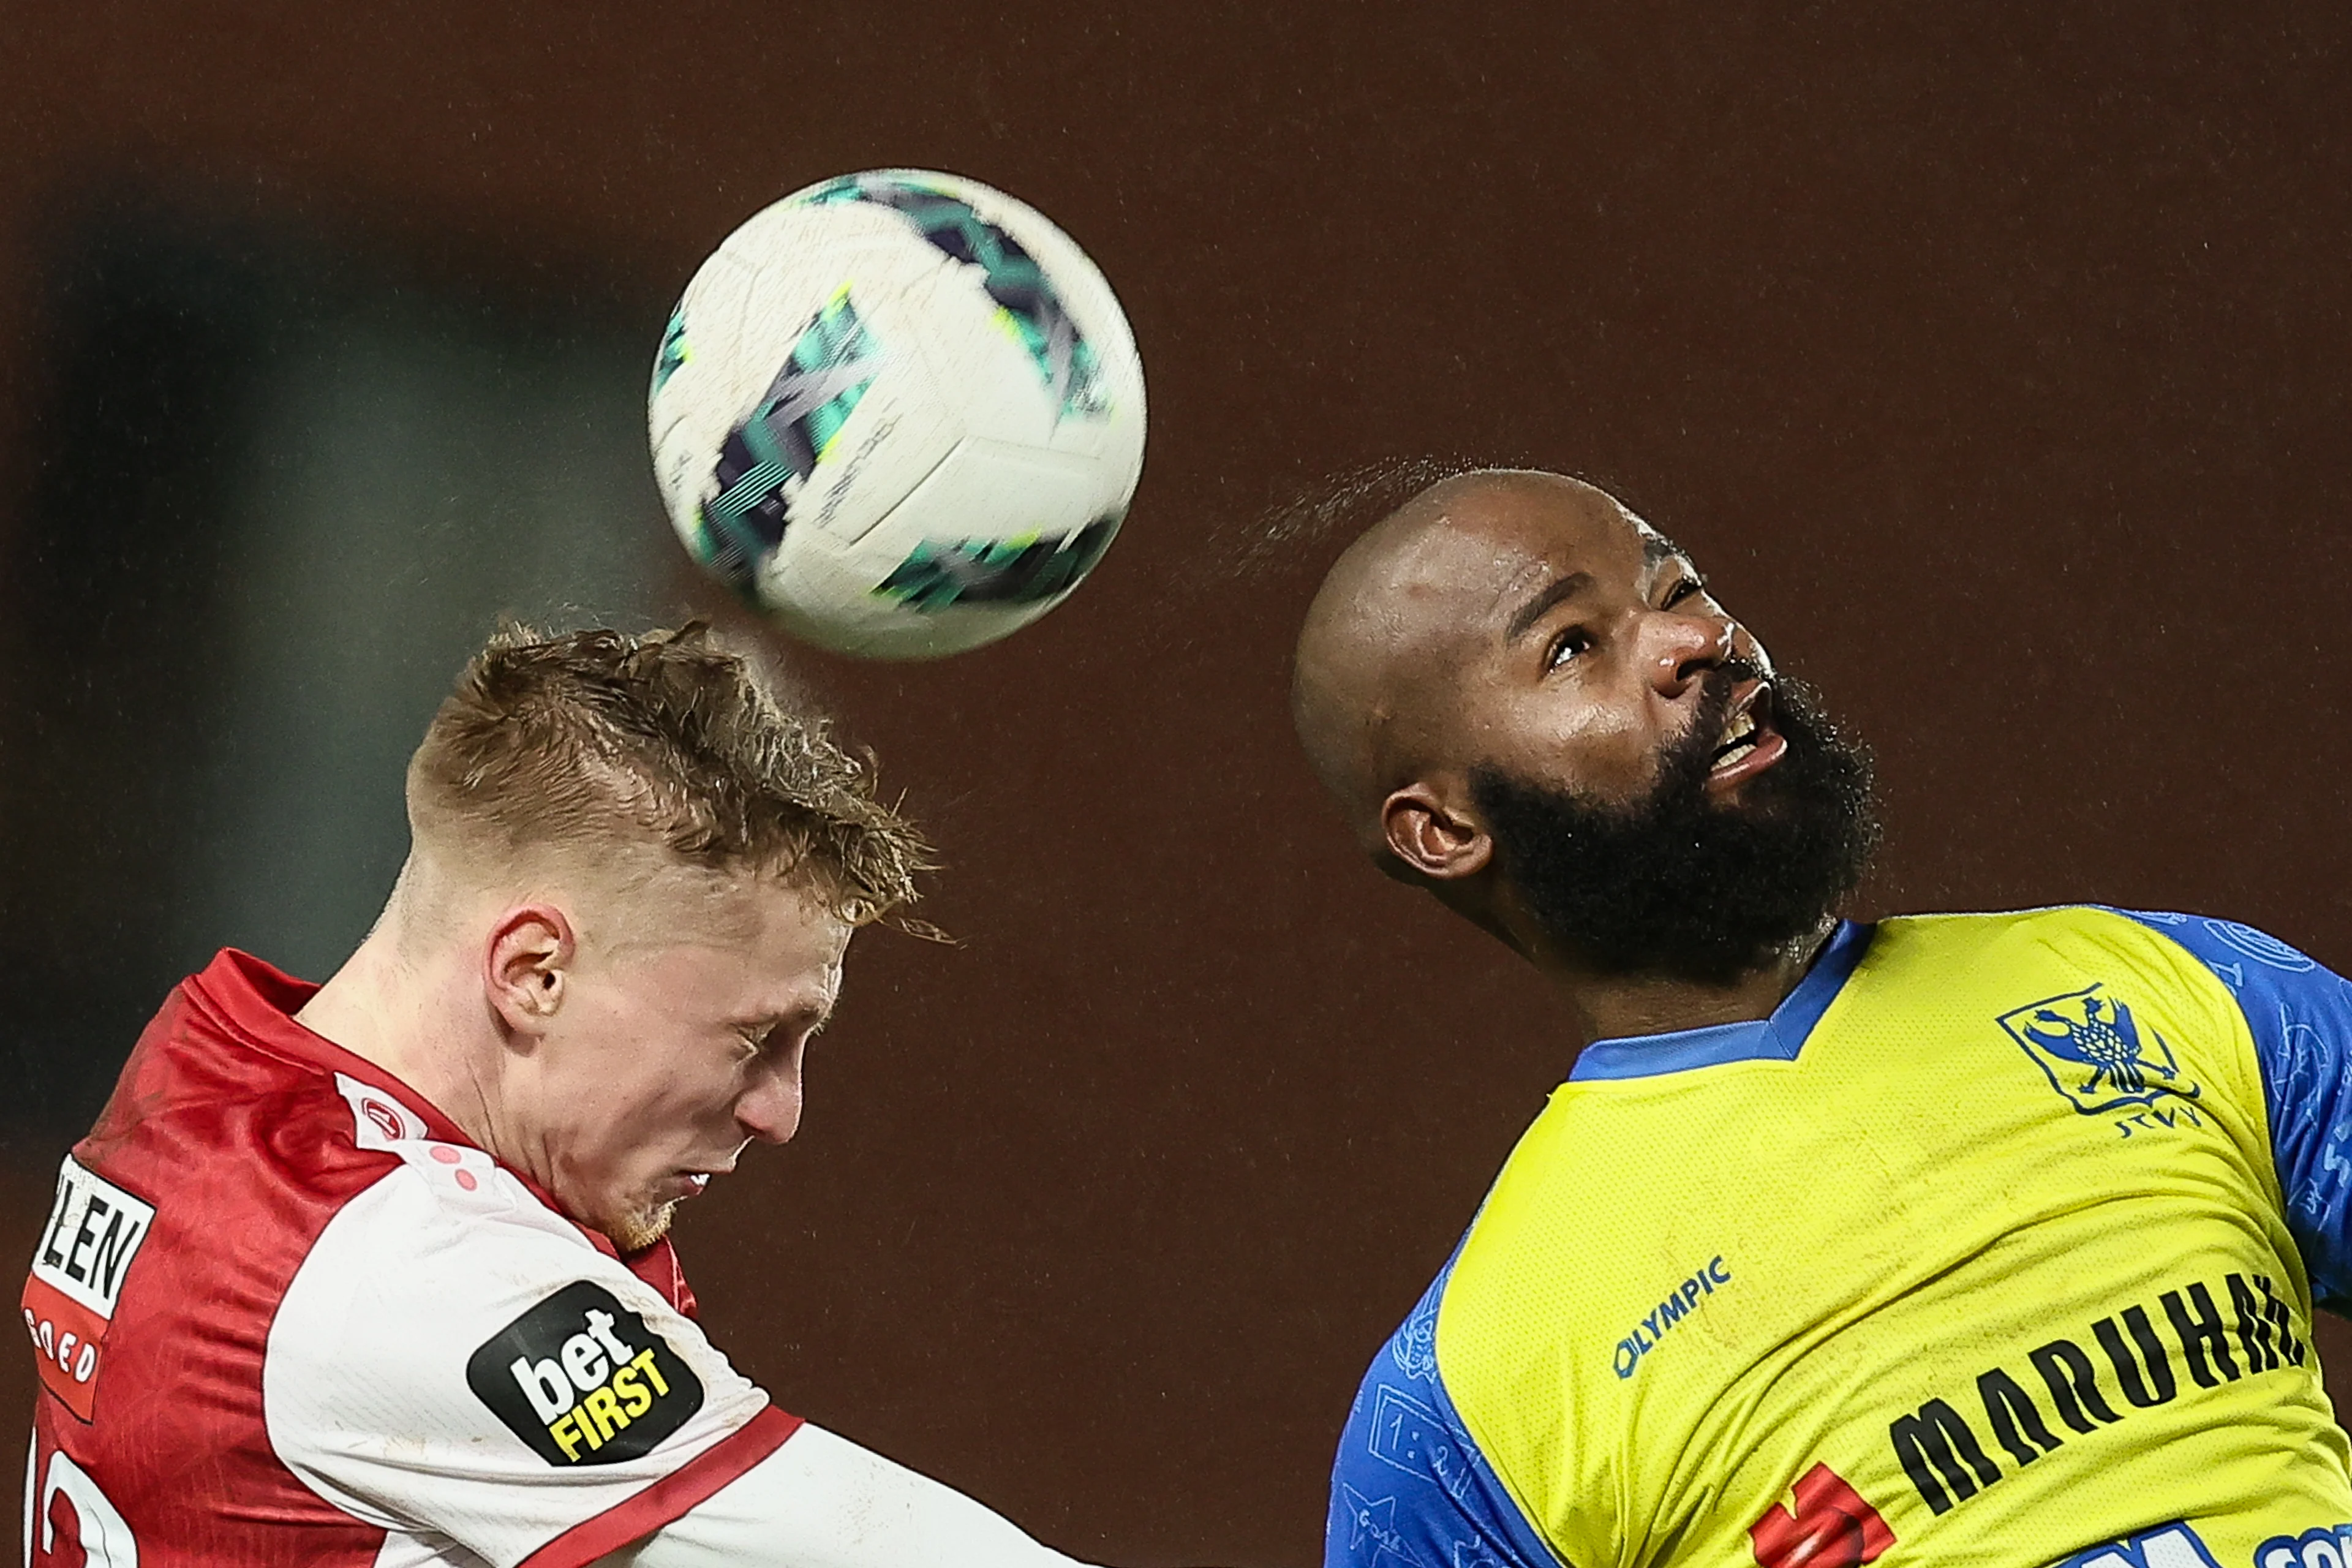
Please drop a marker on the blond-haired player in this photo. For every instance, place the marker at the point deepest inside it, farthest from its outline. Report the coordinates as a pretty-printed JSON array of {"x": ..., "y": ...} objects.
[{"x": 374, "y": 1272}]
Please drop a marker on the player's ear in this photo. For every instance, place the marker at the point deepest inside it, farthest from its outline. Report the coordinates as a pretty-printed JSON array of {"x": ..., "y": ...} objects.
[
  {"x": 527, "y": 964},
  {"x": 1432, "y": 838}
]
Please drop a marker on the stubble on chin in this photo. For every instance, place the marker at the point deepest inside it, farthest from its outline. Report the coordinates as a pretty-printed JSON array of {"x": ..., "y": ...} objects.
[{"x": 635, "y": 1231}]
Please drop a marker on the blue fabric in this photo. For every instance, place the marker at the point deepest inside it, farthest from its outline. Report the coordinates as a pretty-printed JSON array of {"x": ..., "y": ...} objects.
[
  {"x": 1410, "y": 1489},
  {"x": 2301, "y": 1016},
  {"x": 1779, "y": 1037}
]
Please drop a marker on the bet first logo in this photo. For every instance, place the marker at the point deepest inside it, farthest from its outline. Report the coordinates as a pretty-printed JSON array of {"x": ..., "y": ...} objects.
[{"x": 582, "y": 1379}]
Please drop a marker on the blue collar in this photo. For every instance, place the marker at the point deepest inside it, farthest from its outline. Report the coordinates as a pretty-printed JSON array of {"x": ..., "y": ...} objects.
[{"x": 1778, "y": 1038}]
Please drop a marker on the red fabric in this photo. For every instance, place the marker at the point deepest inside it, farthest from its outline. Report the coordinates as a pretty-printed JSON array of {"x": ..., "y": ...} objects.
[
  {"x": 227, "y": 1119},
  {"x": 657, "y": 1265}
]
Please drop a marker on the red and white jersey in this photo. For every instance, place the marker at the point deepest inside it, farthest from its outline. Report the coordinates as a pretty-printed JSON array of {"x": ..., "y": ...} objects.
[{"x": 287, "y": 1313}]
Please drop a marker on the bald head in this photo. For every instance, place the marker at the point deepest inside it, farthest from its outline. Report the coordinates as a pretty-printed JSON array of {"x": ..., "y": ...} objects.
[
  {"x": 1375, "y": 687},
  {"x": 1530, "y": 705}
]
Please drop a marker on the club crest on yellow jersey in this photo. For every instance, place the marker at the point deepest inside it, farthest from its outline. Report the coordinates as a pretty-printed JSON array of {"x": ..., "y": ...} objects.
[{"x": 2096, "y": 1053}]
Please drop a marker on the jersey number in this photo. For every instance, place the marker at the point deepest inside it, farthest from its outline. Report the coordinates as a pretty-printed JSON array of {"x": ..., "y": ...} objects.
[
  {"x": 1831, "y": 1527},
  {"x": 71, "y": 1525}
]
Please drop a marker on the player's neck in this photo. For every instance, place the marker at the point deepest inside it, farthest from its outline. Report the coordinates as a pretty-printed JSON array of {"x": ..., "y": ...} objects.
[
  {"x": 1618, "y": 1007},
  {"x": 386, "y": 1008}
]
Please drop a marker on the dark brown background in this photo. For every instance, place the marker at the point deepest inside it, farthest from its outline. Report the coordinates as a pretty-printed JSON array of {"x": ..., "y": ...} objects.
[{"x": 1993, "y": 362}]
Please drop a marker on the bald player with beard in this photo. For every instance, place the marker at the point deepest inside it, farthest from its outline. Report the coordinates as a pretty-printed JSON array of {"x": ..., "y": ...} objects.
[{"x": 1990, "y": 1239}]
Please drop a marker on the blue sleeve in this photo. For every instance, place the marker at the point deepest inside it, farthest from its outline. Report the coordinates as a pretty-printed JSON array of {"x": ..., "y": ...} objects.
[
  {"x": 2301, "y": 1016},
  {"x": 1410, "y": 1489}
]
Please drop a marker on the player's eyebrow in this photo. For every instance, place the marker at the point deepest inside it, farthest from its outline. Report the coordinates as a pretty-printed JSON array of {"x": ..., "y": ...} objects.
[
  {"x": 1657, "y": 549},
  {"x": 1551, "y": 594}
]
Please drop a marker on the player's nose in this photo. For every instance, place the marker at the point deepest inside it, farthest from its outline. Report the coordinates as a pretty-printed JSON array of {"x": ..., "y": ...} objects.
[
  {"x": 1682, "y": 647},
  {"x": 770, "y": 1105}
]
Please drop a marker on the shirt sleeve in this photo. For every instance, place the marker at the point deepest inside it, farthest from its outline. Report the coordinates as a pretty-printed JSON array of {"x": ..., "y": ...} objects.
[
  {"x": 1409, "y": 1486},
  {"x": 822, "y": 1501},
  {"x": 454, "y": 1363},
  {"x": 2300, "y": 1013}
]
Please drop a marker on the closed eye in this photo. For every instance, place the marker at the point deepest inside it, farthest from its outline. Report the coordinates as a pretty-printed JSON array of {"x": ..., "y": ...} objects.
[{"x": 762, "y": 1034}]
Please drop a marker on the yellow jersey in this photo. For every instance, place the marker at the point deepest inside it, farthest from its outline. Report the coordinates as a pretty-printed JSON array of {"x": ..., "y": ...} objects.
[{"x": 1994, "y": 1245}]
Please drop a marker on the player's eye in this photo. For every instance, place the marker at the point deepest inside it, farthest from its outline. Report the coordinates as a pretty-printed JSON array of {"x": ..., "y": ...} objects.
[
  {"x": 1572, "y": 641},
  {"x": 1685, "y": 588}
]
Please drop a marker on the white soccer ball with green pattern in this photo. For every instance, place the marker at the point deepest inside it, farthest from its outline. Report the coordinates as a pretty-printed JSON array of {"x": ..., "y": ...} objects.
[{"x": 900, "y": 412}]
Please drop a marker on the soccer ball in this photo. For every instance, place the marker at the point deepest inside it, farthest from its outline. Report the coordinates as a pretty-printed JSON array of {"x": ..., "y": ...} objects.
[{"x": 900, "y": 412}]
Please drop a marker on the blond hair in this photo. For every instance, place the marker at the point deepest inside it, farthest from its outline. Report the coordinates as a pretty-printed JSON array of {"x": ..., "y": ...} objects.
[{"x": 597, "y": 740}]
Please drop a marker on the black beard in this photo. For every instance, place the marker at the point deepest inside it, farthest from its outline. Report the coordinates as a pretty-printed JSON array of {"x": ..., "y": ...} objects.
[{"x": 1680, "y": 886}]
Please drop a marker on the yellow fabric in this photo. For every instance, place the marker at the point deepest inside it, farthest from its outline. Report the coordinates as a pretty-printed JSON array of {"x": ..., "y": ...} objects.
[{"x": 1912, "y": 1205}]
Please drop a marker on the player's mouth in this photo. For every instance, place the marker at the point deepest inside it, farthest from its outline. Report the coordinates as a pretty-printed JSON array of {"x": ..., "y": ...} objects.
[
  {"x": 683, "y": 1185},
  {"x": 1749, "y": 743}
]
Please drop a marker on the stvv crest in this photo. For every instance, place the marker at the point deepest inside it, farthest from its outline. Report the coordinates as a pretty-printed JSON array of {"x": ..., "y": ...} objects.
[{"x": 2094, "y": 1053}]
